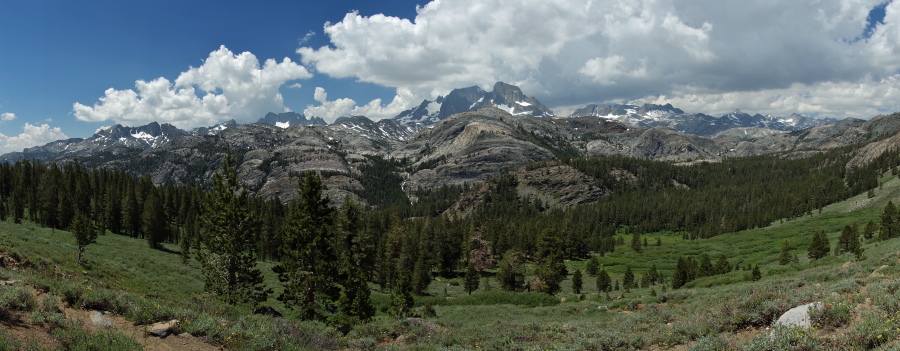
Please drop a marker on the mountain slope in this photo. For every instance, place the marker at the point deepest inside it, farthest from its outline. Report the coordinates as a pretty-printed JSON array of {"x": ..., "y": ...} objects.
[
  {"x": 650, "y": 115},
  {"x": 504, "y": 96}
]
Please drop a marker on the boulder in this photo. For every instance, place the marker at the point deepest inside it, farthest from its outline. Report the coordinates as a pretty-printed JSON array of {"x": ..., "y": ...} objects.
[
  {"x": 100, "y": 320},
  {"x": 798, "y": 317},
  {"x": 162, "y": 329}
]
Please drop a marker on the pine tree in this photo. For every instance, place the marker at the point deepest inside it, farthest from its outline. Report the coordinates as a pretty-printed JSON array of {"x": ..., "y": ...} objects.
[
  {"x": 354, "y": 304},
  {"x": 658, "y": 241},
  {"x": 550, "y": 270},
  {"x": 722, "y": 265},
  {"x": 576, "y": 282},
  {"x": 888, "y": 222},
  {"x": 591, "y": 266},
  {"x": 652, "y": 275},
  {"x": 154, "y": 225},
  {"x": 401, "y": 298},
  {"x": 308, "y": 259},
  {"x": 628, "y": 279},
  {"x": 819, "y": 247},
  {"x": 682, "y": 274},
  {"x": 706, "y": 268},
  {"x": 636, "y": 243},
  {"x": 848, "y": 241},
  {"x": 84, "y": 233},
  {"x": 869, "y": 231},
  {"x": 510, "y": 273},
  {"x": 785, "y": 256},
  {"x": 227, "y": 239},
  {"x": 471, "y": 279},
  {"x": 755, "y": 274},
  {"x": 604, "y": 283}
]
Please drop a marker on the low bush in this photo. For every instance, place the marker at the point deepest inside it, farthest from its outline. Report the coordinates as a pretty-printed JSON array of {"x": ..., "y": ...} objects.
[
  {"x": 75, "y": 336},
  {"x": 493, "y": 297},
  {"x": 832, "y": 314}
]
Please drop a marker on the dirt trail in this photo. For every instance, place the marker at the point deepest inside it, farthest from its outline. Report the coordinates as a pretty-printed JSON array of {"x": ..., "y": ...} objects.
[{"x": 26, "y": 333}]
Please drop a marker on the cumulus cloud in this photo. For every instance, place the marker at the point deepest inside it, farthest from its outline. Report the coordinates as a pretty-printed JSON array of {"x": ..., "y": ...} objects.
[
  {"x": 7, "y": 116},
  {"x": 568, "y": 52},
  {"x": 31, "y": 136},
  {"x": 345, "y": 107},
  {"x": 225, "y": 86},
  {"x": 861, "y": 99}
]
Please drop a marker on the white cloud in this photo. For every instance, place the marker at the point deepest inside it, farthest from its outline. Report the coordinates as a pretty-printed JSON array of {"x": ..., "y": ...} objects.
[
  {"x": 295, "y": 86},
  {"x": 31, "y": 136},
  {"x": 344, "y": 107},
  {"x": 861, "y": 99},
  {"x": 7, "y": 116},
  {"x": 225, "y": 86},
  {"x": 568, "y": 52}
]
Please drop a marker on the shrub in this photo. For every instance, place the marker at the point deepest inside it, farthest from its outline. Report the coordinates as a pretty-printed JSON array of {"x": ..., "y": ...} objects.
[
  {"x": 713, "y": 342},
  {"x": 76, "y": 336},
  {"x": 48, "y": 314},
  {"x": 494, "y": 297},
  {"x": 831, "y": 315},
  {"x": 7, "y": 342},
  {"x": 15, "y": 298}
]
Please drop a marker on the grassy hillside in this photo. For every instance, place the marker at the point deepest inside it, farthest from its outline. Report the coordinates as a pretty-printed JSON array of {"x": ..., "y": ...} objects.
[{"x": 125, "y": 276}]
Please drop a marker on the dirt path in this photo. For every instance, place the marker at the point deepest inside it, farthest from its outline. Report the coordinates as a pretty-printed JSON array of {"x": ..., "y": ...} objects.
[{"x": 28, "y": 334}]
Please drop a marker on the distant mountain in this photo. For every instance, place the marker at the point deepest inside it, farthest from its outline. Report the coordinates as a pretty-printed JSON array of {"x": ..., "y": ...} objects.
[
  {"x": 651, "y": 115},
  {"x": 383, "y": 129},
  {"x": 287, "y": 119},
  {"x": 504, "y": 96},
  {"x": 214, "y": 129},
  {"x": 114, "y": 140}
]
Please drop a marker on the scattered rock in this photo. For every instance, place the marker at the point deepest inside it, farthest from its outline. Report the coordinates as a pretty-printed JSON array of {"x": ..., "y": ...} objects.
[
  {"x": 798, "y": 316},
  {"x": 100, "y": 320},
  {"x": 162, "y": 329},
  {"x": 569, "y": 327},
  {"x": 846, "y": 265},
  {"x": 11, "y": 282}
]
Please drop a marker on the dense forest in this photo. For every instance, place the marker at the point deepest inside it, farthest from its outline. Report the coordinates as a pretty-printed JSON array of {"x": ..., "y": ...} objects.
[{"x": 403, "y": 239}]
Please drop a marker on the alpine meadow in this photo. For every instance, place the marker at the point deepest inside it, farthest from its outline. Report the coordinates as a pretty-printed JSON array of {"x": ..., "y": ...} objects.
[{"x": 530, "y": 175}]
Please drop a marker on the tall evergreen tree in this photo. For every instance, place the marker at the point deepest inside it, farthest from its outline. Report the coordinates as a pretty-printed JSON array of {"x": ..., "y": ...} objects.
[
  {"x": 591, "y": 266},
  {"x": 472, "y": 279},
  {"x": 354, "y": 303},
  {"x": 870, "y": 229},
  {"x": 154, "y": 224},
  {"x": 819, "y": 247},
  {"x": 636, "y": 242},
  {"x": 576, "y": 282},
  {"x": 653, "y": 275},
  {"x": 308, "y": 259},
  {"x": 628, "y": 279},
  {"x": 722, "y": 265},
  {"x": 848, "y": 241},
  {"x": 401, "y": 298},
  {"x": 84, "y": 233},
  {"x": 888, "y": 222},
  {"x": 604, "y": 283},
  {"x": 510, "y": 273},
  {"x": 227, "y": 237},
  {"x": 785, "y": 256},
  {"x": 682, "y": 273}
]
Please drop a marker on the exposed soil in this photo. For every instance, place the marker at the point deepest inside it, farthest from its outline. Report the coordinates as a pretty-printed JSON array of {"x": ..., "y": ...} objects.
[{"x": 17, "y": 325}]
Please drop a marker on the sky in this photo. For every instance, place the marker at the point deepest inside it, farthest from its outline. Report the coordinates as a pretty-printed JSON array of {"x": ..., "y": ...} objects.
[{"x": 68, "y": 68}]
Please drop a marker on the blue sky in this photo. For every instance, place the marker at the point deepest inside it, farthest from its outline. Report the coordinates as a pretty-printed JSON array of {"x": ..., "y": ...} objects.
[{"x": 70, "y": 67}]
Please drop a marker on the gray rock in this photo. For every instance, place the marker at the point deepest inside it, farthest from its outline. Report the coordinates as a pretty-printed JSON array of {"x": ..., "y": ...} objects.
[
  {"x": 798, "y": 316},
  {"x": 100, "y": 320},
  {"x": 162, "y": 329}
]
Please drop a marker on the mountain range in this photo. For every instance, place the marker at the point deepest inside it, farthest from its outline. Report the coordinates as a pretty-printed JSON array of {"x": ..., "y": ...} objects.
[{"x": 483, "y": 134}]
